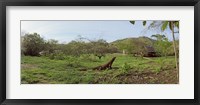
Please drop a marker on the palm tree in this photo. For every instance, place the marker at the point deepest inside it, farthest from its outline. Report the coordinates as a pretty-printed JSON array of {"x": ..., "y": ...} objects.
[
  {"x": 163, "y": 25},
  {"x": 172, "y": 25}
]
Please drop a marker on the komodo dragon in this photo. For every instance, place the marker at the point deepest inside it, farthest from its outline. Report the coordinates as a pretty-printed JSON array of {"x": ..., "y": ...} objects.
[{"x": 105, "y": 66}]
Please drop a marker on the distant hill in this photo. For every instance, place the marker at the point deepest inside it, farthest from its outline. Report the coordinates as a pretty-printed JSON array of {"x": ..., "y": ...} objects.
[
  {"x": 131, "y": 44},
  {"x": 144, "y": 39}
]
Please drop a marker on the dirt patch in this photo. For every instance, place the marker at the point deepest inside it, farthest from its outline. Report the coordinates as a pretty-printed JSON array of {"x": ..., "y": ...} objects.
[
  {"x": 149, "y": 77},
  {"x": 28, "y": 66}
]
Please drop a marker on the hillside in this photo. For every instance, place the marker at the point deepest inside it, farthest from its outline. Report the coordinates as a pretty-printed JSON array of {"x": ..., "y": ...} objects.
[{"x": 131, "y": 45}]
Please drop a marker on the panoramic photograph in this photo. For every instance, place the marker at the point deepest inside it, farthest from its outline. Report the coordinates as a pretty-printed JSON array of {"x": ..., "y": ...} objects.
[{"x": 99, "y": 52}]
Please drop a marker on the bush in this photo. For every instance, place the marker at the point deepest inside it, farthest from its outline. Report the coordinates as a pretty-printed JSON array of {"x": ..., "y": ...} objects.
[
  {"x": 89, "y": 57},
  {"x": 57, "y": 56},
  {"x": 125, "y": 67},
  {"x": 72, "y": 62},
  {"x": 160, "y": 66},
  {"x": 32, "y": 44}
]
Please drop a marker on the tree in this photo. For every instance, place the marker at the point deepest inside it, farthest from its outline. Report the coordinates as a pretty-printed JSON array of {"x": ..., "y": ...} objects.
[
  {"x": 100, "y": 48},
  {"x": 32, "y": 44},
  {"x": 75, "y": 48},
  {"x": 164, "y": 25},
  {"x": 172, "y": 25},
  {"x": 97, "y": 47},
  {"x": 51, "y": 45},
  {"x": 162, "y": 44}
]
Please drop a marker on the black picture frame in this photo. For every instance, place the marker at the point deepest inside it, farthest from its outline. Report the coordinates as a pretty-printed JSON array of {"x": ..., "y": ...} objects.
[{"x": 4, "y": 3}]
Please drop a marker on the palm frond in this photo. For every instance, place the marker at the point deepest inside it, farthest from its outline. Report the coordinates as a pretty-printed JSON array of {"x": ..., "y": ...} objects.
[
  {"x": 144, "y": 23},
  {"x": 132, "y": 22},
  {"x": 164, "y": 26},
  {"x": 176, "y": 23}
]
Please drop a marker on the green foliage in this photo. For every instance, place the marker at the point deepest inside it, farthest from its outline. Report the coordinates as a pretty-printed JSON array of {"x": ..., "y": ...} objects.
[
  {"x": 72, "y": 62},
  {"x": 51, "y": 45},
  {"x": 97, "y": 47},
  {"x": 100, "y": 48},
  {"x": 125, "y": 67},
  {"x": 132, "y": 22},
  {"x": 57, "y": 56},
  {"x": 176, "y": 23},
  {"x": 133, "y": 45},
  {"x": 162, "y": 45},
  {"x": 164, "y": 26},
  {"x": 76, "y": 48},
  {"x": 160, "y": 66},
  {"x": 144, "y": 23},
  {"x": 32, "y": 44}
]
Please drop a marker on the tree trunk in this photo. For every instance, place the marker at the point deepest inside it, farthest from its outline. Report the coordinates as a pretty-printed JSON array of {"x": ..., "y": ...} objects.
[{"x": 176, "y": 57}]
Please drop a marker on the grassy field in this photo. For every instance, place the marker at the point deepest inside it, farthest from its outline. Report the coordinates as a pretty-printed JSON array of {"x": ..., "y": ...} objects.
[{"x": 77, "y": 70}]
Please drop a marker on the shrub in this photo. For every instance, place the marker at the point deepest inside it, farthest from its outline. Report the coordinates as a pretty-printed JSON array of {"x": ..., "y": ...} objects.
[
  {"x": 57, "y": 56},
  {"x": 125, "y": 67},
  {"x": 72, "y": 62},
  {"x": 32, "y": 44}
]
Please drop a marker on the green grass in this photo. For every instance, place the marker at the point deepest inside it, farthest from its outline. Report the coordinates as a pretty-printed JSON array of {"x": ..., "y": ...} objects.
[{"x": 126, "y": 69}]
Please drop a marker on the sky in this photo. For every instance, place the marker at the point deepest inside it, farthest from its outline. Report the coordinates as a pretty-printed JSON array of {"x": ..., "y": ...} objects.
[{"x": 66, "y": 31}]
